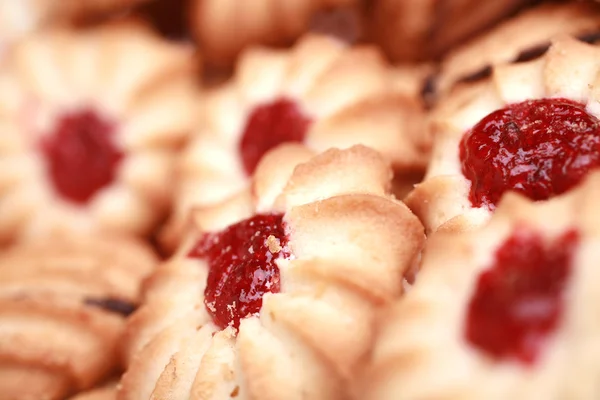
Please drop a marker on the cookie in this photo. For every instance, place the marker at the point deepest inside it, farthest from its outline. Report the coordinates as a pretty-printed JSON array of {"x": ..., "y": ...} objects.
[
  {"x": 503, "y": 312},
  {"x": 411, "y": 30},
  {"x": 106, "y": 392},
  {"x": 19, "y": 18},
  {"x": 272, "y": 294},
  {"x": 321, "y": 93},
  {"x": 532, "y": 128},
  {"x": 521, "y": 38},
  {"x": 90, "y": 123},
  {"x": 63, "y": 303},
  {"x": 268, "y": 22}
]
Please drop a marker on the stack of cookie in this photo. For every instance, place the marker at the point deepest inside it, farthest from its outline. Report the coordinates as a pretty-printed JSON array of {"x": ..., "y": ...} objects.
[{"x": 290, "y": 199}]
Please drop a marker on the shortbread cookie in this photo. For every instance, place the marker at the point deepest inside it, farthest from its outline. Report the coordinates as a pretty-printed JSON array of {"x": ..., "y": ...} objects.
[
  {"x": 522, "y": 38},
  {"x": 63, "y": 304},
  {"x": 107, "y": 392},
  {"x": 225, "y": 27},
  {"x": 533, "y": 128},
  {"x": 89, "y": 125},
  {"x": 18, "y": 18},
  {"x": 272, "y": 294},
  {"x": 505, "y": 312},
  {"x": 410, "y": 30},
  {"x": 321, "y": 93}
]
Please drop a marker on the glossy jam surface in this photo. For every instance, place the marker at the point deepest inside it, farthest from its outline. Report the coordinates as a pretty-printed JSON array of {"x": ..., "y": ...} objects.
[
  {"x": 518, "y": 302},
  {"x": 268, "y": 126},
  {"x": 81, "y": 155},
  {"x": 540, "y": 148},
  {"x": 241, "y": 261}
]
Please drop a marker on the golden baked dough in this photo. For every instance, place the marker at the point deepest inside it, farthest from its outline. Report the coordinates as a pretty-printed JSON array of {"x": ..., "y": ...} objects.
[
  {"x": 350, "y": 243},
  {"x": 224, "y": 28},
  {"x": 106, "y": 392},
  {"x": 410, "y": 30},
  {"x": 520, "y": 38},
  {"x": 19, "y": 18},
  {"x": 569, "y": 70},
  {"x": 63, "y": 303}
]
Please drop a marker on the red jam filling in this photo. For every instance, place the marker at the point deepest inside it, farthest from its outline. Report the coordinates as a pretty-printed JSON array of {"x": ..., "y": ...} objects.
[
  {"x": 518, "y": 301},
  {"x": 81, "y": 155},
  {"x": 268, "y": 126},
  {"x": 539, "y": 148},
  {"x": 241, "y": 261}
]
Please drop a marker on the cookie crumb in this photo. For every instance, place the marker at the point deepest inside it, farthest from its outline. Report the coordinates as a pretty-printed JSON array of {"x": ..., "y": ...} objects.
[{"x": 273, "y": 244}]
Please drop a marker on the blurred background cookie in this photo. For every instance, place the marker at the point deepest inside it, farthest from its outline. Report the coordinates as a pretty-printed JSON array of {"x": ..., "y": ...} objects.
[
  {"x": 411, "y": 30},
  {"x": 91, "y": 121},
  {"x": 19, "y": 18},
  {"x": 523, "y": 37},
  {"x": 224, "y": 28},
  {"x": 63, "y": 304}
]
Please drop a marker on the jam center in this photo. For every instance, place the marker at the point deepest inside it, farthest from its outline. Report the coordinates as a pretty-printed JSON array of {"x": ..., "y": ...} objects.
[
  {"x": 81, "y": 155},
  {"x": 518, "y": 301},
  {"x": 539, "y": 148},
  {"x": 268, "y": 126},
  {"x": 242, "y": 268}
]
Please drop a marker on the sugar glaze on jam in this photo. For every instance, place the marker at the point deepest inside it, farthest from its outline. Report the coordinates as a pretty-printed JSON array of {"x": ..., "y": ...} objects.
[
  {"x": 242, "y": 266},
  {"x": 539, "y": 148},
  {"x": 518, "y": 302},
  {"x": 81, "y": 155},
  {"x": 268, "y": 126}
]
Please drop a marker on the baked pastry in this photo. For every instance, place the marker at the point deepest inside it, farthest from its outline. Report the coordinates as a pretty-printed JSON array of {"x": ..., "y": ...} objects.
[
  {"x": 521, "y": 38},
  {"x": 321, "y": 93},
  {"x": 90, "y": 122},
  {"x": 63, "y": 303},
  {"x": 533, "y": 128},
  {"x": 18, "y": 18},
  {"x": 106, "y": 392},
  {"x": 267, "y": 22},
  {"x": 503, "y": 312},
  {"x": 272, "y": 294},
  {"x": 411, "y": 30}
]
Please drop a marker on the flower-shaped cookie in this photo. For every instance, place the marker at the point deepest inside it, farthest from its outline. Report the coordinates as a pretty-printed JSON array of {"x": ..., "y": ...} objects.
[
  {"x": 533, "y": 128},
  {"x": 273, "y": 293},
  {"x": 225, "y": 27},
  {"x": 18, "y": 18},
  {"x": 411, "y": 30},
  {"x": 503, "y": 312},
  {"x": 321, "y": 93},
  {"x": 89, "y": 125},
  {"x": 521, "y": 38},
  {"x": 63, "y": 304}
]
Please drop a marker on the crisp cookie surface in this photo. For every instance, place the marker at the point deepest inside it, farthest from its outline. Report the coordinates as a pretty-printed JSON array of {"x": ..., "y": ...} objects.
[
  {"x": 567, "y": 71},
  {"x": 328, "y": 94},
  {"x": 63, "y": 304},
  {"x": 423, "y": 351},
  {"x": 349, "y": 244},
  {"x": 90, "y": 122}
]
